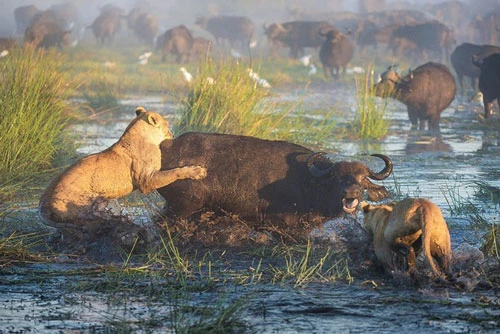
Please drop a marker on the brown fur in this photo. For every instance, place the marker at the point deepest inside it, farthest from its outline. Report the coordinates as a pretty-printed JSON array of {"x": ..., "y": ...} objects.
[
  {"x": 398, "y": 227},
  {"x": 133, "y": 162}
]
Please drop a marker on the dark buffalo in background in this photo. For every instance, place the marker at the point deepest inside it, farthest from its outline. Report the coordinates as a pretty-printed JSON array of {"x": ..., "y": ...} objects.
[
  {"x": 486, "y": 28},
  {"x": 430, "y": 38},
  {"x": 426, "y": 92},
  {"x": 200, "y": 48},
  {"x": 335, "y": 53},
  {"x": 233, "y": 29},
  {"x": 47, "y": 30},
  {"x": 456, "y": 14},
  {"x": 146, "y": 28},
  {"x": 23, "y": 16},
  {"x": 107, "y": 24},
  {"x": 296, "y": 35},
  {"x": 489, "y": 80},
  {"x": 264, "y": 181},
  {"x": 396, "y": 16},
  {"x": 177, "y": 41},
  {"x": 461, "y": 59}
]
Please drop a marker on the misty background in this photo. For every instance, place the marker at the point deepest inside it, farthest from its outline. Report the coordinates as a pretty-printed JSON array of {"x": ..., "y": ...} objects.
[{"x": 174, "y": 12}]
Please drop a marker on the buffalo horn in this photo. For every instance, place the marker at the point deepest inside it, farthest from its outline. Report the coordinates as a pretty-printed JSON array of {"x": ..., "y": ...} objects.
[
  {"x": 384, "y": 173},
  {"x": 312, "y": 167}
]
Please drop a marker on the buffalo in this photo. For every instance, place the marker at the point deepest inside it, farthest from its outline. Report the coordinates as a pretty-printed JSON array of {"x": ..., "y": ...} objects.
[
  {"x": 24, "y": 15},
  {"x": 296, "y": 35},
  {"x": 47, "y": 30},
  {"x": 177, "y": 41},
  {"x": 200, "y": 47},
  {"x": 107, "y": 24},
  {"x": 143, "y": 24},
  {"x": 234, "y": 29},
  {"x": 489, "y": 80},
  {"x": 461, "y": 59},
  {"x": 263, "y": 181},
  {"x": 335, "y": 53},
  {"x": 426, "y": 92},
  {"x": 431, "y": 36}
]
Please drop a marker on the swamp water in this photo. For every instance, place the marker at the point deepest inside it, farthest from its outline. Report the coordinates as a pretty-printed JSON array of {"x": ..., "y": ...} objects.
[{"x": 75, "y": 298}]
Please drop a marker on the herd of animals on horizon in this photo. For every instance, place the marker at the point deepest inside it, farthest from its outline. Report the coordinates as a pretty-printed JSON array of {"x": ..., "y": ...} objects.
[{"x": 301, "y": 181}]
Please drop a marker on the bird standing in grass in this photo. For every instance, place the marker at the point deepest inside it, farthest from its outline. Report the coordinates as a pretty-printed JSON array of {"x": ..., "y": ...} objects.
[
  {"x": 188, "y": 77},
  {"x": 144, "y": 58},
  {"x": 306, "y": 60}
]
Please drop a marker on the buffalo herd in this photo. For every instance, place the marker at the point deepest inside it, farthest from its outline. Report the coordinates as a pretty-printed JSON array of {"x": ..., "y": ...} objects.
[{"x": 279, "y": 181}]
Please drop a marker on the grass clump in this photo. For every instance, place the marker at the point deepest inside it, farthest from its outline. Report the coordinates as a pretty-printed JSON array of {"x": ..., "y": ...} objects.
[
  {"x": 369, "y": 122},
  {"x": 491, "y": 245},
  {"x": 34, "y": 98},
  {"x": 225, "y": 99},
  {"x": 311, "y": 266},
  {"x": 16, "y": 248}
]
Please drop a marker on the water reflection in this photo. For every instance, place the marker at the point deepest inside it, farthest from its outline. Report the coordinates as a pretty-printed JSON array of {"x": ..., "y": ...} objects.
[{"x": 421, "y": 144}]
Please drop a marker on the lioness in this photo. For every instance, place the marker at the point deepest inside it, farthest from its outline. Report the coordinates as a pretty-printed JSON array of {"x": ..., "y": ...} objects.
[
  {"x": 406, "y": 227},
  {"x": 77, "y": 198}
]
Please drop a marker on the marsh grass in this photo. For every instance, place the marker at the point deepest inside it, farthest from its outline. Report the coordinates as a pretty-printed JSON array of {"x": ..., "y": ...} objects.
[
  {"x": 18, "y": 249},
  {"x": 35, "y": 117},
  {"x": 235, "y": 104},
  {"x": 369, "y": 122},
  {"x": 459, "y": 203},
  {"x": 303, "y": 266},
  {"x": 491, "y": 245}
]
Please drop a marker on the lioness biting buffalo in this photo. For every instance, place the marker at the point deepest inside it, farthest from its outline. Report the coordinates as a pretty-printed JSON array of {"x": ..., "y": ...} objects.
[
  {"x": 76, "y": 201},
  {"x": 402, "y": 229}
]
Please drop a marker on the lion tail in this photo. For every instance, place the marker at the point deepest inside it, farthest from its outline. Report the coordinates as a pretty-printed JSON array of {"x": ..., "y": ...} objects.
[{"x": 426, "y": 216}]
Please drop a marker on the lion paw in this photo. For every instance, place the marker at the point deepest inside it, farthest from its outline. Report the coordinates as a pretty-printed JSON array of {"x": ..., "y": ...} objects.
[{"x": 198, "y": 172}]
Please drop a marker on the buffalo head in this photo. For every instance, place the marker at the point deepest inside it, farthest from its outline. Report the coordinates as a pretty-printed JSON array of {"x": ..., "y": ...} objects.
[
  {"x": 391, "y": 83},
  {"x": 344, "y": 182}
]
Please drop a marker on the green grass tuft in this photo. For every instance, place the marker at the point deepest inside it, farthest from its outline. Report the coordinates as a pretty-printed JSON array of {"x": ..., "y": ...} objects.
[
  {"x": 34, "y": 98},
  {"x": 369, "y": 122},
  {"x": 236, "y": 104}
]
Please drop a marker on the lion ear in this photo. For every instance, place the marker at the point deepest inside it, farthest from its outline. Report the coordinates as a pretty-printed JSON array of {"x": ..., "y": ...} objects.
[
  {"x": 153, "y": 120},
  {"x": 140, "y": 110}
]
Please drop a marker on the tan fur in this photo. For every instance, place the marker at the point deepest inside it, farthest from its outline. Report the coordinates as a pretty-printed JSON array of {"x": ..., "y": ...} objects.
[
  {"x": 397, "y": 226},
  {"x": 133, "y": 162}
]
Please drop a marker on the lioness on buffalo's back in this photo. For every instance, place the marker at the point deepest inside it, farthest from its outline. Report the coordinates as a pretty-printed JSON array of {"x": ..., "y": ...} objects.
[
  {"x": 77, "y": 197},
  {"x": 402, "y": 229}
]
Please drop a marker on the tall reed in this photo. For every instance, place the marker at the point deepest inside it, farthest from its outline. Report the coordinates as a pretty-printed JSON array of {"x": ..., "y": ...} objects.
[
  {"x": 34, "y": 101},
  {"x": 224, "y": 98},
  {"x": 370, "y": 121}
]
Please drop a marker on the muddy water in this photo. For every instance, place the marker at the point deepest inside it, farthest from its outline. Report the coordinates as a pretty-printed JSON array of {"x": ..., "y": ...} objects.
[{"x": 32, "y": 298}]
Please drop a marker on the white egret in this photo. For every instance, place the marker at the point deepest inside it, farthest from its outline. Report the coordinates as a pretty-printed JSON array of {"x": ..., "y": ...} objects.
[
  {"x": 306, "y": 60},
  {"x": 143, "y": 59},
  {"x": 187, "y": 76}
]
